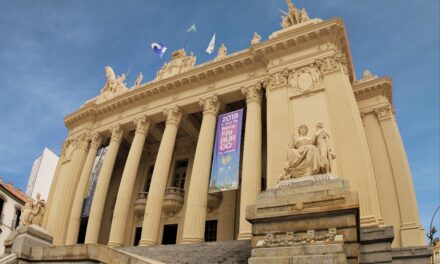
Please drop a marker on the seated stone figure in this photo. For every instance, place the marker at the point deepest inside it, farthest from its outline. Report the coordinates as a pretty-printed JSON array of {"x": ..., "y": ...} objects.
[
  {"x": 303, "y": 157},
  {"x": 308, "y": 155}
]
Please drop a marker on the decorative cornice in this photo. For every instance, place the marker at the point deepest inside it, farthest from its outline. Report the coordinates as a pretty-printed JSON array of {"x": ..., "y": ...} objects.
[
  {"x": 374, "y": 87},
  {"x": 142, "y": 124},
  {"x": 117, "y": 132},
  {"x": 253, "y": 93},
  {"x": 210, "y": 104},
  {"x": 173, "y": 115},
  {"x": 257, "y": 53}
]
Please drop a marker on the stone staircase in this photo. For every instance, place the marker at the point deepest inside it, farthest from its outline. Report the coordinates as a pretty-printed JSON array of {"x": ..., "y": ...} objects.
[{"x": 221, "y": 252}]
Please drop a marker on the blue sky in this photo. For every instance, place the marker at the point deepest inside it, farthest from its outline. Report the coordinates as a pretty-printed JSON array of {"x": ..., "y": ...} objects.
[{"x": 53, "y": 53}]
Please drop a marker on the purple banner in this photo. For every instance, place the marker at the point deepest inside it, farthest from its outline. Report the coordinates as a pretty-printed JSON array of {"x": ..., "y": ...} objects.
[{"x": 225, "y": 169}]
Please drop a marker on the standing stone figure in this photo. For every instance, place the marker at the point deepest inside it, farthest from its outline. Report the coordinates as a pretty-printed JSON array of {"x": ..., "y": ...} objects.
[
  {"x": 322, "y": 142},
  {"x": 138, "y": 80}
]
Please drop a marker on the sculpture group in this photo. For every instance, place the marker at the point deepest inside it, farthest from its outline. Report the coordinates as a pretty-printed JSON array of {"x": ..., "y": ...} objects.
[
  {"x": 308, "y": 155},
  {"x": 32, "y": 212}
]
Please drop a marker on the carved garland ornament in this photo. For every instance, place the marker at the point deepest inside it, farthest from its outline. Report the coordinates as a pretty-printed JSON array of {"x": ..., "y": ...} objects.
[
  {"x": 211, "y": 104},
  {"x": 289, "y": 239},
  {"x": 173, "y": 115},
  {"x": 278, "y": 79}
]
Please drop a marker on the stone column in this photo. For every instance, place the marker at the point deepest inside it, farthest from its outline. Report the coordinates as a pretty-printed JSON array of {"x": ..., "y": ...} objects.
[
  {"x": 410, "y": 230},
  {"x": 154, "y": 206},
  {"x": 69, "y": 184},
  {"x": 251, "y": 170},
  {"x": 98, "y": 202},
  {"x": 75, "y": 215},
  {"x": 55, "y": 181},
  {"x": 125, "y": 192},
  {"x": 195, "y": 214}
]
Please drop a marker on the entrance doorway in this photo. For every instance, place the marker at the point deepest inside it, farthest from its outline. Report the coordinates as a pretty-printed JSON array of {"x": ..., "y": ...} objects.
[{"x": 169, "y": 234}]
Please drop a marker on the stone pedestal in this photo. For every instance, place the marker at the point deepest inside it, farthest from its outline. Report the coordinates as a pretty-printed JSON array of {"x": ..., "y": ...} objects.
[
  {"x": 21, "y": 241},
  {"x": 307, "y": 206}
]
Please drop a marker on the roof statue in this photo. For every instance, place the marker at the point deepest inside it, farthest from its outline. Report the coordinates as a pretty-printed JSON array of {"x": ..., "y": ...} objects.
[
  {"x": 113, "y": 86},
  {"x": 222, "y": 51},
  {"x": 368, "y": 75},
  {"x": 179, "y": 63},
  {"x": 138, "y": 80},
  {"x": 293, "y": 16},
  {"x": 255, "y": 38}
]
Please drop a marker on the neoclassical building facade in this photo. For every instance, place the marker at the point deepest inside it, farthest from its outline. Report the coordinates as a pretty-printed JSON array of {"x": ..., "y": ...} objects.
[{"x": 153, "y": 142}]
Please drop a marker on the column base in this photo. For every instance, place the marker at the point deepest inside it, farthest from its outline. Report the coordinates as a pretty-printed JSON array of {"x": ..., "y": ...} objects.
[
  {"x": 147, "y": 243},
  {"x": 114, "y": 244},
  {"x": 244, "y": 236},
  {"x": 410, "y": 235},
  {"x": 369, "y": 221},
  {"x": 192, "y": 240}
]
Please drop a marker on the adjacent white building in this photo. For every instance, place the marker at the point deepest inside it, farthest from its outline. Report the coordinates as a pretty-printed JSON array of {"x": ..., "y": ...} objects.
[
  {"x": 11, "y": 202},
  {"x": 42, "y": 174}
]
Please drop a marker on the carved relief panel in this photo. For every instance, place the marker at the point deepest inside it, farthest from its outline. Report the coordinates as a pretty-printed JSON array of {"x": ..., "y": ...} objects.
[{"x": 304, "y": 81}]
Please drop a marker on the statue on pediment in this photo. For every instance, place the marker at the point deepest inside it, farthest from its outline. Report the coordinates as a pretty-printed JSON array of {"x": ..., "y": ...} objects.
[
  {"x": 255, "y": 38},
  {"x": 307, "y": 155},
  {"x": 368, "y": 75},
  {"x": 138, "y": 80},
  {"x": 222, "y": 51},
  {"x": 113, "y": 86},
  {"x": 179, "y": 63},
  {"x": 293, "y": 16}
]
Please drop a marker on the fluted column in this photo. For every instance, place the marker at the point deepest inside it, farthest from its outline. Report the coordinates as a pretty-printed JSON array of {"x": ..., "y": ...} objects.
[
  {"x": 126, "y": 187},
  {"x": 71, "y": 178},
  {"x": 251, "y": 170},
  {"x": 75, "y": 215},
  {"x": 410, "y": 230},
  {"x": 54, "y": 184},
  {"x": 154, "y": 206},
  {"x": 195, "y": 214},
  {"x": 98, "y": 202}
]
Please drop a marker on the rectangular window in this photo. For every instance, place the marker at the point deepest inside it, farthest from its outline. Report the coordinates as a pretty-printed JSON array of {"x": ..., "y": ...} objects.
[
  {"x": 211, "y": 230},
  {"x": 180, "y": 173}
]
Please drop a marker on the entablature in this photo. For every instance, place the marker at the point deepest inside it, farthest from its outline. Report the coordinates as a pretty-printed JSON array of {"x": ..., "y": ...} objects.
[{"x": 373, "y": 87}]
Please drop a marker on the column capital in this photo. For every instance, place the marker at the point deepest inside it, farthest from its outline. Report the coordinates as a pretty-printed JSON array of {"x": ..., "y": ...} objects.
[
  {"x": 81, "y": 141},
  {"x": 276, "y": 79},
  {"x": 142, "y": 124},
  {"x": 333, "y": 63},
  {"x": 173, "y": 115},
  {"x": 64, "y": 147},
  {"x": 383, "y": 113},
  {"x": 211, "y": 104},
  {"x": 95, "y": 139},
  {"x": 116, "y": 133},
  {"x": 252, "y": 93}
]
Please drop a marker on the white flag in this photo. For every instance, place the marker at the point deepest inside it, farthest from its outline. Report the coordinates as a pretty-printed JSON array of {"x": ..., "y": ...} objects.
[{"x": 211, "y": 45}]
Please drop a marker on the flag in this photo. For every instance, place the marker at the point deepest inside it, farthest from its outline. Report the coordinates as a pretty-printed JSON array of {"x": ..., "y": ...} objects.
[
  {"x": 159, "y": 48},
  {"x": 192, "y": 28},
  {"x": 211, "y": 45}
]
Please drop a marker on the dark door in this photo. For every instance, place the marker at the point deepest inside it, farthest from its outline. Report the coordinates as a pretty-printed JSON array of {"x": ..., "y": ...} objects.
[
  {"x": 137, "y": 236},
  {"x": 82, "y": 230},
  {"x": 169, "y": 234}
]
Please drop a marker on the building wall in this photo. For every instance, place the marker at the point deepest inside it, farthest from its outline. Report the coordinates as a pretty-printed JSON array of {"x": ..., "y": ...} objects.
[
  {"x": 7, "y": 218},
  {"x": 42, "y": 174}
]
